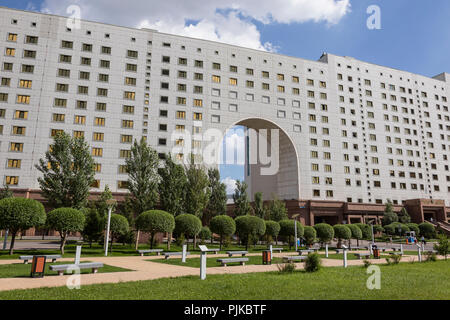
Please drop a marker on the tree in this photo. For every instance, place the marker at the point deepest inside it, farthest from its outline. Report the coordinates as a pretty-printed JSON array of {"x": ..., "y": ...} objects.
[
  {"x": 366, "y": 230},
  {"x": 403, "y": 216},
  {"x": 188, "y": 225},
  {"x": 65, "y": 220},
  {"x": 205, "y": 234},
  {"x": 277, "y": 209},
  {"x": 118, "y": 227},
  {"x": 356, "y": 233},
  {"x": 427, "y": 230},
  {"x": 143, "y": 178},
  {"x": 241, "y": 203},
  {"x": 6, "y": 192},
  {"x": 67, "y": 172},
  {"x": 342, "y": 232},
  {"x": 93, "y": 225},
  {"x": 325, "y": 232},
  {"x": 20, "y": 214},
  {"x": 223, "y": 226},
  {"x": 309, "y": 235},
  {"x": 287, "y": 230},
  {"x": 102, "y": 205},
  {"x": 259, "y": 205},
  {"x": 389, "y": 215},
  {"x": 249, "y": 228},
  {"x": 155, "y": 221},
  {"x": 197, "y": 192},
  {"x": 272, "y": 230},
  {"x": 414, "y": 227},
  {"x": 217, "y": 204},
  {"x": 442, "y": 246},
  {"x": 172, "y": 187}
]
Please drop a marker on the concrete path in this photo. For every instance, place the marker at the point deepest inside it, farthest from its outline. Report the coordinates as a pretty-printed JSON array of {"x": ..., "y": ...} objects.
[{"x": 148, "y": 270}]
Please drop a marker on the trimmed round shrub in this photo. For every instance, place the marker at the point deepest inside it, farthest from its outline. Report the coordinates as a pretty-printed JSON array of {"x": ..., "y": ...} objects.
[
  {"x": 414, "y": 227},
  {"x": 427, "y": 230},
  {"x": 224, "y": 226},
  {"x": 188, "y": 225},
  {"x": 250, "y": 228},
  {"x": 155, "y": 221},
  {"x": 65, "y": 220},
  {"x": 342, "y": 232},
  {"x": 366, "y": 230},
  {"x": 325, "y": 232},
  {"x": 272, "y": 229},
  {"x": 119, "y": 226},
  {"x": 287, "y": 230},
  {"x": 390, "y": 229},
  {"x": 313, "y": 262},
  {"x": 205, "y": 233},
  {"x": 20, "y": 214},
  {"x": 378, "y": 228},
  {"x": 309, "y": 234},
  {"x": 356, "y": 231}
]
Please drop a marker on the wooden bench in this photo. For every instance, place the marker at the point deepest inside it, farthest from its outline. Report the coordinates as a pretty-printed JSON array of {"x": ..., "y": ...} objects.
[
  {"x": 226, "y": 261},
  {"x": 294, "y": 258},
  {"x": 277, "y": 249},
  {"x": 54, "y": 257},
  {"x": 157, "y": 251},
  {"x": 362, "y": 255},
  {"x": 167, "y": 255},
  {"x": 60, "y": 268},
  {"x": 242, "y": 253}
]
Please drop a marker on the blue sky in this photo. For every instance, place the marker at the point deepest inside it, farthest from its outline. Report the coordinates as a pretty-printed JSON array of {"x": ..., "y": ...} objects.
[{"x": 414, "y": 34}]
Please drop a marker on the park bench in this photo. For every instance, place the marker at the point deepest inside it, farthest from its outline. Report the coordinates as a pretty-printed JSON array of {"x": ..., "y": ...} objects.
[
  {"x": 226, "y": 261},
  {"x": 362, "y": 255},
  {"x": 157, "y": 251},
  {"x": 277, "y": 249},
  {"x": 300, "y": 252},
  {"x": 231, "y": 253},
  {"x": 49, "y": 256},
  {"x": 60, "y": 268},
  {"x": 167, "y": 255},
  {"x": 213, "y": 250},
  {"x": 294, "y": 258},
  {"x": 396, "y": 253},
  {"x": 396, "y": 249}
]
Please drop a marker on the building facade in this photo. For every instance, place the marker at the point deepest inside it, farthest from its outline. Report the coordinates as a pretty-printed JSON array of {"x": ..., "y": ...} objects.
[{"x": 350, "y": 132}]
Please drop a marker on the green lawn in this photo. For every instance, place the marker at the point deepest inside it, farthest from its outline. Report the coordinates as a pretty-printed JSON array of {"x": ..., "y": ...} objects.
[
  {"x": 212, "y": 262},
  {"x": 21, "y": 270},
  {"x": 125, "y": 250},
  {"x": 428, "y": 280}
]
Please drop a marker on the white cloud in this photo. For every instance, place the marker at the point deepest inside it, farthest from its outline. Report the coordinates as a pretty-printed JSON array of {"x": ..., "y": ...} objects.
[
  {"x": 230, "y": 183},
  {"x": 230, "y": 22}
]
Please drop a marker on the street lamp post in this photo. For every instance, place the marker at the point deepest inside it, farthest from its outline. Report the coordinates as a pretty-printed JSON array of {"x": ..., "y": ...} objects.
[
  {"x": 110, "y": 204},
  {"x": 295, "y": 231}
]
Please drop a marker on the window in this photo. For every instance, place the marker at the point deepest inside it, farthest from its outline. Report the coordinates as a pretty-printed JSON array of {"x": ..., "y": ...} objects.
[
  {"x": 85, "y": 61},
  {"x": 87, "y": 47},
  {"x": 198, "y": 64},
  {"x": 97, "y": 152},
  {"x": 7, "y": 66},
  {"x": 31, "y": 39},
  {"x": 18, "y": 114},
  {"x": 98, "y": 136},
  {"x": 11, "y": 180},
  {"x": 128, "y": 109},
  {"x": 197, "y": 116},
  {"x": 14, "y": 163},
  {"x": 83, "y": 90},
  {"x": 126, "y": 138},
  {"x": 181, "y": 115},
  {"x": 233, "y": 69},
  {"x": 132, "y": 54},
  {"x": 64, "y": 73},
  {"x": 100, "y": 106},
  {"x": 22, "y": 99},
  {"x": 233, "y": 82},
  {"x": 12, "y": 37},
  {"x": 16, "y": 147},
  {"x": 66, "y": 44},
  {"x": 131, "y": 67},
  {"x": 105, "y": 64},
  {"x": 27, "y": 68},
  {"x": 216, "y": 66},
  {"x": 128, "y": 95},
  {"x": 127, "y": 124},
  {"x": 10, "y": 52},
  {"x": 25, "y": 84},
  {"x": 19, "y": 131},
  {"x": 84, "y": 75},
  {"x": 216, "y": 79},
  {"x": 99, "y": 121},
  {"x": 79, "y": 120}
]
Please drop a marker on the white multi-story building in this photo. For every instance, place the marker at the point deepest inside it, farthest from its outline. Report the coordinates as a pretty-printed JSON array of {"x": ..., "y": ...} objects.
[{"x": 350, "y": 130}]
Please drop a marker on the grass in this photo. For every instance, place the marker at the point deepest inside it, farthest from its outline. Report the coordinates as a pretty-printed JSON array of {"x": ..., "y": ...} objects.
[
  {"x": 21, "y": 270},
  {"x": 125, "y": 250},
  {"x": 212, "y": 262},
  {"x": 399, "y": 282}
]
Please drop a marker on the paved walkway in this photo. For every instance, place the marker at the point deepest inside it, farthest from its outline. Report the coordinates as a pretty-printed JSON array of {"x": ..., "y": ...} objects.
[{"x": 147, "y": 270}]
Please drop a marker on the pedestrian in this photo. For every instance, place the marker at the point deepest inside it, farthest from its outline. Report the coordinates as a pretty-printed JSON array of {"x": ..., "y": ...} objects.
[{"x": 423, "y": 240}]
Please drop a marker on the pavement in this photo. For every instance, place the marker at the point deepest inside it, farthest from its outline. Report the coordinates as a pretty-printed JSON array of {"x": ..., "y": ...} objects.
[{"x": 142, "y": 269}]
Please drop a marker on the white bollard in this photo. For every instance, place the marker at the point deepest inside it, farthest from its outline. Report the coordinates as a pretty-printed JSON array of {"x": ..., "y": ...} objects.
[
  {"x": 419, "y": 252},
  {"x": 401, "y": 248},
  {"x": 203, "y": 266},
  {"x": 345, "y": 258},
  {"x": 183, "y": 255},
  {"x": 326, "y": 250},
  {"x": 78, "y": 255},
  {"x": 270, "y": 248}
]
